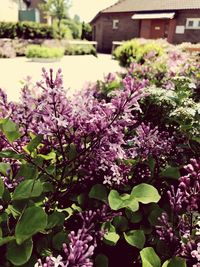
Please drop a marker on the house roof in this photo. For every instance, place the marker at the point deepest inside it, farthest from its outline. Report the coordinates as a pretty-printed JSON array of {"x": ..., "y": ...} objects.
[
  {"x": 152, "y": 5},
  {"x": 149, "y": 5}
]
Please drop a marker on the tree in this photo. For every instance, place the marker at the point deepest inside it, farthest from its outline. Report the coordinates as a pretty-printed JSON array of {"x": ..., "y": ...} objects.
[
  {"x": 77, "y": 18},
  {"x": 86, "y": 31},
  {"x": 58, "y": 9}
]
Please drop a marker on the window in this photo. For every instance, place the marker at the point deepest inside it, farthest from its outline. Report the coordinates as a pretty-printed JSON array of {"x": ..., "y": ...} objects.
[
  {"x": 193, "y": 23},
  {"x": 115, "y": 24},
  {"x": 190, "y": 23}
]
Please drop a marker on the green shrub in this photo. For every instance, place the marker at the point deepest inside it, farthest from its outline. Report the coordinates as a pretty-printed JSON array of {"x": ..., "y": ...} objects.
[
  {"x": 74, "y": 27},
  {"x": 26, "y": 30},
  {"x": 138, "y": 51},
  {"x": 36, "y": 51},
  {"x": 64, "y": 32},
  {"x": 80, "y": 49},
  {"x": 86, "y": 31},
  {"x": 8, "y": 30}
]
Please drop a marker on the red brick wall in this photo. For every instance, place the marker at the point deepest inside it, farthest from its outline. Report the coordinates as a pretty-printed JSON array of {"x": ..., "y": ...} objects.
[
  {"x": 172, "y": 28},
  {"x": 145, "y": 28},
  {"x": 129, "y": 28},
  {"x": 189, "y": 35},
  {"x": 105, "y": 34}
]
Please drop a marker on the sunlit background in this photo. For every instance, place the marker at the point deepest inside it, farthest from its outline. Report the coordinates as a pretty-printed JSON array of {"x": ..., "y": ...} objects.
[{"x": 86, "y": 9}]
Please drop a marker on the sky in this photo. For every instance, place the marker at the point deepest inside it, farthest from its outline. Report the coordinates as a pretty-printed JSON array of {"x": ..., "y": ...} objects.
[{"x": 87, "y": 9}]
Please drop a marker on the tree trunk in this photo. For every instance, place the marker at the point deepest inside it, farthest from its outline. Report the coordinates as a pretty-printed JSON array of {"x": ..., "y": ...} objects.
[{"x": 59, "y": 29}]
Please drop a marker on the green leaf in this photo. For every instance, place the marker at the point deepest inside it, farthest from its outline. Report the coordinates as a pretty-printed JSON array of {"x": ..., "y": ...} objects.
[
  {"x": 28, "y": 171},
  {"x": 56, "y": 218},
  {"x": 10, "y": 130},
  {"x": 33, "y": 221},
  {"x": 50, "y": 156},
  {"x": 176, "y": 262},
  {"x": 117, "y": 202},
  {"x": 82, "y": 199},
  {"x": 99, "y": 192},
  {"x": 154, "y": 215},
  {"x": 149, "y": 258},
  {"x": 19, "y": 254},
  {"x": 145, "y": 193},
  {"x": 59, "y": 239},
  {"x": 4, "y": 167},
  {"x": 129, "y": 202},
  {"x": 47, "y": 187},
  {"x": 151, "y": 163},
  {"x": 6, "y": 195},
  {"x": 111, "y": 238},
  {"x": 72, "y": 152},
  {"x": 171, "y": 172},
  {"x": 28, "y": 189},
  {"x": 101, "y": 260},
  {"x": 114, "y": 200},
  {"x": 11, "y": 209},
  {"x": 120, "y": 223},
  {"x": 134, "y": 217},
  {"x": 1, "y": 187},
  {"x": 34, "y": 143},
  {"x": 165, "y": 264},
  {"x": 135, "y": 238},
  {"x": 3, "y": 217},
  {"x": 10, "y": 154},
  {"x": 5, "y": 240}
]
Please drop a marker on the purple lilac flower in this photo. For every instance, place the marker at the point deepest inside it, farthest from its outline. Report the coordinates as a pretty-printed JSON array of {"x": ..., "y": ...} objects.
[
  {"x": 81, "y": 245},
  {"x": 110, "y": 77},
  {"x": 151, "y": 142},
  {"x": 188, "y": 192},
  {"x": 196, "y": 254},
  {"x": 191, "y": 251},
  {"x": 95, "y": 127},
  {"x": 166, "y": 231},
  {"x": 185, "y": 227}
]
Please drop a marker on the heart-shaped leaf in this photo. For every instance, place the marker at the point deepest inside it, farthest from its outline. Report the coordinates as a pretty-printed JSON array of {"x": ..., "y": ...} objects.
[
  {"x": 135, "y": 238},
  {"x": 33, "y": 221},
  {"x": 149, "y": 258},
  {"x": 145, "y": 193},
  {"x": 28, "y": 189}
]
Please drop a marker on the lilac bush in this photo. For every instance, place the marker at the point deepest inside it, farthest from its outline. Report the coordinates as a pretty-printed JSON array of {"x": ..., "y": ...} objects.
[{"x": 111, "y": 174}]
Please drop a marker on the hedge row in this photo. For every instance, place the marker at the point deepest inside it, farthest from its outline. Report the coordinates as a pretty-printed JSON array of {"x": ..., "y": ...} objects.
[
  {"x": 36, "y": 51},
  {"x": 26, "y": 30},
  {"x": 138, "y": 50}
]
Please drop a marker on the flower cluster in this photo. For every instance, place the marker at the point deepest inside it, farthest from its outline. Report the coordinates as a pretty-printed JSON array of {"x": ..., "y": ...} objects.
[
  {"x": 80, "y": 248},
  {"x": 188, "y": 193},
  {"x": 183, "y": 232},
  {"x": 95, "y": 128},
  {"x": 152, "y": 142}
]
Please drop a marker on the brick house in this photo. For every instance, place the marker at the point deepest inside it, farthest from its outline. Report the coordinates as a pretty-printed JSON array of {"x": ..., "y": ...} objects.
[
  {"x": 22, "y": 10},
  {"x": 175, "y": 20}
]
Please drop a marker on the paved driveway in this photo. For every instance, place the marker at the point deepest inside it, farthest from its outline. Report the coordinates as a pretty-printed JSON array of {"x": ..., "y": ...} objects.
[{"x": 76, "y": 70}]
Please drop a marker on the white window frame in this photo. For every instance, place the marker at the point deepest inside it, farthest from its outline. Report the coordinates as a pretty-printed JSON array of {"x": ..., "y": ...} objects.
[
  {"x": 195, "y": 26},
  {"x": 115, "y": 25}
]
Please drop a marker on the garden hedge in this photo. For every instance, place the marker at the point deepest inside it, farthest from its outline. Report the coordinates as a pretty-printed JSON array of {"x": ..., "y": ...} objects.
[
  {"x": 138, "y": 50},
  {"x": 26, "y": 30},
  {"x": 37, "y": 51}
]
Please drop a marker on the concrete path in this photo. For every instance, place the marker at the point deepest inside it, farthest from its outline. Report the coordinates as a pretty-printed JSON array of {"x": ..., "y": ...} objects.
[{"x": 76, "y": 71}]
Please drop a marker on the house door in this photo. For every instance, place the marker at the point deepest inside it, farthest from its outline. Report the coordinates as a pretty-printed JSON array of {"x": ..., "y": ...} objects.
[{"x": 159, "y": 28}]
